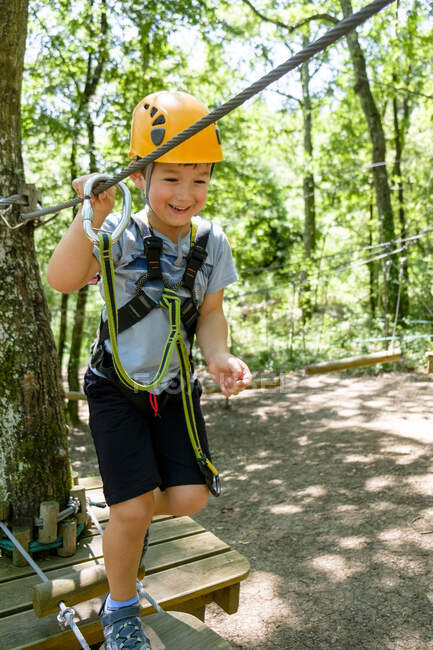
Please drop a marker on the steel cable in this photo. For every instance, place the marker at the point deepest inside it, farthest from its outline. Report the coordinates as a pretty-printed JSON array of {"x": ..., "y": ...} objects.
[{"x": 331, "y": 36}]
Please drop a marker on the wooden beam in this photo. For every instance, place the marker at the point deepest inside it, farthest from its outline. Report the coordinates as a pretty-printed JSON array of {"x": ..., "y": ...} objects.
[
  {"x": 74, "y": 395},
  {"x": 387, "y": 356},
  {"x": 208, "y": 389},
  {"x": 172, "y": 588},
  {"x": 74, "y": 588}
]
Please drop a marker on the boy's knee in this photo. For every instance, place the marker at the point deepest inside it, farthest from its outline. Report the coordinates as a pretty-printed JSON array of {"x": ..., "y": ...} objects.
[
  {"x": 187, "y": 499},
  {"x": 134, "y": 513}
]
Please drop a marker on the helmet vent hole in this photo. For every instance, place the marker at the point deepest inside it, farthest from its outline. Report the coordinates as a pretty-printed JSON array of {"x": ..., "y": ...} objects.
[
  {"x": 146, "y": 106},
  {"x": 157, "y": 136},
  {"x": 153, "y": 110},
  {"x": 159, "y": 120}
]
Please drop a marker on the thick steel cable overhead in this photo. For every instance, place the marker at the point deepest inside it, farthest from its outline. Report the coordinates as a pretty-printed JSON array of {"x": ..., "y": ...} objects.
[{"x": 343, "y": 28}]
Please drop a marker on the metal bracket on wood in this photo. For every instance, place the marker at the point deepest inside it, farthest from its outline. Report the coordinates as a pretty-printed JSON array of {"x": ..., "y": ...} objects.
[
  {"x": 31, "y": 197},
  {"x": 28, "y": 198}
]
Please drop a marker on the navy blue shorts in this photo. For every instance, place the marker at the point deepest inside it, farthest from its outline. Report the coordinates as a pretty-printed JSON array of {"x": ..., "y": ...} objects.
[{"x": 137, "y": 448}]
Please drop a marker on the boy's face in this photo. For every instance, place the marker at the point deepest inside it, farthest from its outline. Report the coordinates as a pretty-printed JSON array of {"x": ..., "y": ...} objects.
[{"x": 177, "y": 193}]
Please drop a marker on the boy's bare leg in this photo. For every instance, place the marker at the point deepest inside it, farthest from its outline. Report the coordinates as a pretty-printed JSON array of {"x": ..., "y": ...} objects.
[
  {"x": 123, "y": 538},
  {"x": 180, "y": 500},
  {"x": 123, "y": 543}
]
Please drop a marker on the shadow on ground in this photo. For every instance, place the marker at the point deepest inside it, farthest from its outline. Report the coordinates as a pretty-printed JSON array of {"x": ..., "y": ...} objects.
[{"x": 327, "y": 489}]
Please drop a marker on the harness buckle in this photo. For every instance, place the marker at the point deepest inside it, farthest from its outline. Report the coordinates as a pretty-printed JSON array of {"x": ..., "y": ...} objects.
[
  {"x": 209, "y": 476},
  {"x": 194, "y": 261},
  {"x": 153, "y": 250},
  {"x": 189, "y": 314},
  {"x": 195, "y": 258}
]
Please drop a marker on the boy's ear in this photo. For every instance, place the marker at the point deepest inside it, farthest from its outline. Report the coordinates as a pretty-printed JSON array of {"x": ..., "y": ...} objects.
[{"x": 138, "y": 180}]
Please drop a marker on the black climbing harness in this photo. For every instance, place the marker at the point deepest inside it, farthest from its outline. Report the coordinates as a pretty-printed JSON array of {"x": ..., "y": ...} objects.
[{"x": 141, "y": 305}]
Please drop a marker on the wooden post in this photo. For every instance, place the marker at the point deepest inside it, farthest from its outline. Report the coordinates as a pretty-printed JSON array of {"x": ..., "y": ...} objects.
[
  {"x": 389, "y": 356},
  {"x": 48, "y": 513},
  {"x": 24, "y": 536},
  {"x": 429, "y": 356},
  {"x": 80, "y": 493},
  {"x": 68, "y": 531},
  {"x": 228, "y": 598},
  {"x": 75, "y": 477}
]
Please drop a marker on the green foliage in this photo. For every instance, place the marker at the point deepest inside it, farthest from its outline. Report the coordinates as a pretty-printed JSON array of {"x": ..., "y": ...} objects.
[{"x": 214, "y": 50}]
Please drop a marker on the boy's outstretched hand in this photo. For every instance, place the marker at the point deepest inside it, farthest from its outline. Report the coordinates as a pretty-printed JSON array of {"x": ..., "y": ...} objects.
[{"x": 230, "y": 372}]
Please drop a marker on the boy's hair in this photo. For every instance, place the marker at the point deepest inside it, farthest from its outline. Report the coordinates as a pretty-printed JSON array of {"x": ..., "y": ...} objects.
[
  {"x": 143, "y": 171},
  {"x": 162, "y": 115}
]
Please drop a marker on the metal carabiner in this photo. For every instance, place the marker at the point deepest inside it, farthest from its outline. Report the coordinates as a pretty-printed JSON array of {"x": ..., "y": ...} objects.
[{"x": 87, "y": 209}]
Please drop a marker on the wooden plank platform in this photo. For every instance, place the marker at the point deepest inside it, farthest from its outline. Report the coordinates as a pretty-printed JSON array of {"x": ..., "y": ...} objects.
[{"x": 187, "y": 568}]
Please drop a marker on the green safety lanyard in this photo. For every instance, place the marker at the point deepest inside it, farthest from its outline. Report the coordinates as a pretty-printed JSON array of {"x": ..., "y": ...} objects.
[{"x": 171, "y": 301}]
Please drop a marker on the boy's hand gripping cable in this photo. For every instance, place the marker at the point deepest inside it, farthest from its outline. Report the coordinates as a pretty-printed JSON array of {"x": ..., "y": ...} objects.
[{"x": 170, "y": 301}]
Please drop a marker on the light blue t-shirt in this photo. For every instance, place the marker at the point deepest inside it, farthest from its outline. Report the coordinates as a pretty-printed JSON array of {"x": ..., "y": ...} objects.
[{"x": 140, "y": 346}]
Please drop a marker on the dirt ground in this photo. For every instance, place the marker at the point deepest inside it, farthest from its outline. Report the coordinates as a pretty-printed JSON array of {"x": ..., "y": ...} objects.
[{"x": 327, "y": 490}]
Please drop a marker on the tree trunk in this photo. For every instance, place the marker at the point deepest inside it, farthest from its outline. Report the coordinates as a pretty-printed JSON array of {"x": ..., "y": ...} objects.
[
  {"x": 80, "y": 309},
  {"x": 372, "y": 266},
  {"x": 398, "y": 139},
  {"x": 308, "y": 190},
  {"x": 63, "y": 328},
  {"x": 34, "y": 462},
  {"x": 95, "y": 67},
  {"x": 377, "y": 138},
  {"x": 75, "y": 352}
]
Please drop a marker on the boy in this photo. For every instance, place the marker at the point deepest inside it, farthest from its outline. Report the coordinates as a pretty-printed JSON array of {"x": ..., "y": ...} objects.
[{"x": 145, "y": 456}]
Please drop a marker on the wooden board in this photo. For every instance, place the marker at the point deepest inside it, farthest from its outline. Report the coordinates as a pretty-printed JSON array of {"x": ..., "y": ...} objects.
[
  {"x": 90, "y": 547},
  {"x": 171, "y": 588},
  {"x": 187, "y": 568}
]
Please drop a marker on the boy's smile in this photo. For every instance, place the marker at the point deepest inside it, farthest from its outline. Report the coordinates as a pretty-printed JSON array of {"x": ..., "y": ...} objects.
[{"x": 177, "y": 193}]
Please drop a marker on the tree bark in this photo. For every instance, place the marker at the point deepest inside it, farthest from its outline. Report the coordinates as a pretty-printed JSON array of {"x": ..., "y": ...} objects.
[
  {"x": 75, "y": 352},
  {"x": 372, "y": 266},
  {"x": 34, "y": 462},
  {"x": 308, "y": 182},
  {"x": 377, "y": 138},
  {"x": 399, "y": 144},
  {"x": 63, "y": 328},
  {"x": 308, "y": 189}
]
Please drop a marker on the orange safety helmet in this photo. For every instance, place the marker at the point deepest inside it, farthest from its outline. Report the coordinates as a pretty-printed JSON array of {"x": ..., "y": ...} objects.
[{"x": 162, "y": 115}]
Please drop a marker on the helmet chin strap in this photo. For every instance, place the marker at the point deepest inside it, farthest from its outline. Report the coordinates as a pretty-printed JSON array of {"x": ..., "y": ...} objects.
[{"x": 145, "y": 195}]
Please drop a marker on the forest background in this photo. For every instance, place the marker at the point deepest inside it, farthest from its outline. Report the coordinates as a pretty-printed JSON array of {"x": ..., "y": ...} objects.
[{"x": 326, "y": 188}]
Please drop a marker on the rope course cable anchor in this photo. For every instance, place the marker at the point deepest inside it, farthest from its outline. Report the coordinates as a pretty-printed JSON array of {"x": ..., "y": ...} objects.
[
  {"x": 66, "y": 615},
  {"x": 28, "y": 197},
  {"x": 336, "y": 32}
]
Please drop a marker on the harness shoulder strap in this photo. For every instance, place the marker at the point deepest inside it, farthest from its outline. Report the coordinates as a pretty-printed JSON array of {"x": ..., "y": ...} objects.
[
  {"x": 152, "y": 249},
  {"x": 195, "y": 260},
  {"x": 142, "y": 304},
  {"x": 197, "y": 254}
]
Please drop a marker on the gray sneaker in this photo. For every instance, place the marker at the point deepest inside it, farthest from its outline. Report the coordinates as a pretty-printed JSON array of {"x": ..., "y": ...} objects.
[{"x": 123, "y": 629}]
